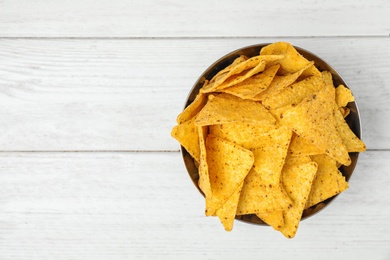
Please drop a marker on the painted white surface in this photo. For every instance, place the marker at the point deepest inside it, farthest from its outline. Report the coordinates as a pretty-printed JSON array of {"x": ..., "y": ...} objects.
[{"x": 89, "y": 91}]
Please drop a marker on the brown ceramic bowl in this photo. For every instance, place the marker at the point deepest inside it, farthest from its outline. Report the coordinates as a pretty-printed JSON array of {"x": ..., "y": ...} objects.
[{"x": 353, "y": 119}]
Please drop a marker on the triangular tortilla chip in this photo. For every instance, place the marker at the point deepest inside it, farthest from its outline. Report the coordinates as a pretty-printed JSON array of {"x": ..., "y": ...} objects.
[
  {"x": 295, "y": 93},
  {"x": 253, "y": 86},
  {"x": 225, "y": 108},
  {"x": 297, "y": 181},
  {"x": 270, "y": 154},
  {"x": 243, "y": 134},
  {"x": 313, "y": 120},
  {"x": 187, "y": 135},
  {"x": 239, "y": 73},
  {"x": 274, "y": 218},
  {"x": 351, "y": 141},
  {"x": 227, "y": 212},
  {"x": 204, "y": 178},
  {"x": 343, "y": 96},
  {"x": 193, "y": 109},
  {"x": 300, "y": 146},
  {"x": 292, "y": 61},
  {"x": 279, "y": 83},
  {"x": 258, "y": 196},
  {"x": 328, "y": 181},
  {"x": 228, "y": 165}
]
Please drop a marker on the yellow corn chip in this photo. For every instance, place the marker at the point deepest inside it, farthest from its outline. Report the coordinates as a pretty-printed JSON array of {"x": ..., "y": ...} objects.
[
  {"x": 228, "y": 165},
  {"x": 193, "y": 109},
  {"x": 253, "y": 86},
  {"x": 297, "y": 181},
  {"x": 244, "y": 134},
  {"x": 225, "y": 108},
  {"x": 270, "y": 154},
  {"x": 187, "y": 135},
  {"x": 279, "y": 83},
  {"x": 300, "y": 146},
  {"x": 240, "y": 72},
  {"x": 295, "y": 93},
  {"x": 343, "y": 96},
  {"x": 351, "y": 141},
  {"x": 313, "y": 120},
  {"x": 328, "y": 181},
  {"x": 274, "y": 218},
  {"x": 292, "y": 62},
  {"x": 204, "y": 178},
  {"x": 227, "y": 212},
  {"x": 236, "y": 61},
  {"x": 258, "y": 196}
]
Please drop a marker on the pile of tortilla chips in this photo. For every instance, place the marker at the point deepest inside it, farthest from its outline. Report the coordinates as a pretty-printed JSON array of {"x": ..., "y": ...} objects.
[{"x": 268, "y": 135}]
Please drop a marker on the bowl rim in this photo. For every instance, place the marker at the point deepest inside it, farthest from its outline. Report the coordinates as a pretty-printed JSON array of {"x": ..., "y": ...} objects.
[{"x": 353, "y": 121}]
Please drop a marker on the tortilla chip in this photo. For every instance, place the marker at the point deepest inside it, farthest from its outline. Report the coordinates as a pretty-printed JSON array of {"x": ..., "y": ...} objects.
[
  {"x": 187, "y": 135},
  {"x": 279, "y": 83},
  {"x": 292, "y": 62},
  {"x": 270, "y": 154},
  {"x": 274, "y": 219},
  {"x": 300, "y": 146},
  {"x": 295, "y": 93},
  {"x": 328, "y": 181},
  {"x": 228, "y": 165},
  {"x": 351, "y": 141},
  {"x": 243, "y": 134},
  {"x": 313, "y": 120},
  {"x": 204, "y": 178},
  {"x": 252, "y": 86},
  {"x": 225, "y": 108},
  {"x": 343, "y": 96},
  {"x": 236, "y": 61},
  {"x": 297, "y": 181},
  {"x": 258, "y": 196},
  {"x": 227, "y": 212},
  {"x": 193, "y": 109}
]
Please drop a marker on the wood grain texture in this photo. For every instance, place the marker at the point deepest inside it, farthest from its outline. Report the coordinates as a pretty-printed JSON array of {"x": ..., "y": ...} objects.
[
  {"x": 165, "y": 18},
  {"x": 144, "y": 205},
  {"x": 72, "y": 94}
]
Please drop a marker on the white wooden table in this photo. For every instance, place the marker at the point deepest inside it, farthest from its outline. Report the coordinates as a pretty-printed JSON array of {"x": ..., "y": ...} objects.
[{"x": 89, "y": 92}]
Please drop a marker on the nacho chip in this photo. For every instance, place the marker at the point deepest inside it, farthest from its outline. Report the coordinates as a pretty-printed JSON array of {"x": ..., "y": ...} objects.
[
  {"x": 193, "y": 109},
  {"x": 343, "y": 96},
  {"x": 328, "y": 181},
  {"x": 225, "y": 108},
  {"x": 313, "y": 120},
  {"x": 274, "y": 218},
  {"x": 297, "y": 181},
  {"x": 187, "y": 135},
  {"x": 292, "y": 62},
  {"x": 227, "y": 212},
  {"x": 253, "y": 86},
  {"x": 351, "y": 141},
  {"x": 258, "y": 196},
  {"x": 295, "y": 93},
  {"x": 204, "y": 178},
  {"x": 300, "y": 147},
  {"x": 239, "y": 73},
  {"x": 236, "y": 61},
  {"x": 244, "y": 134},
  {"x": 228, "y": 165},
  {"x": 279, "y": 83},
  {"x": 270, "y": 154}
]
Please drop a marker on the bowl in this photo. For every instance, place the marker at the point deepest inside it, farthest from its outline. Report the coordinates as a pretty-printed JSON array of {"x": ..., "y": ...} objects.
[{"x": 353, "y": 119}]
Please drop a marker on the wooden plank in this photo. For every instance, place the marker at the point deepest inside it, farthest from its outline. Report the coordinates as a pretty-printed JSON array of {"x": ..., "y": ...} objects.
[
  {"x": 161, "y": 18},
  {"x": 70, "y": 94},
  {"x": 143, "y": 205}
]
